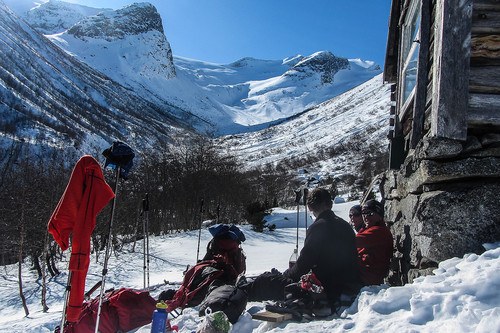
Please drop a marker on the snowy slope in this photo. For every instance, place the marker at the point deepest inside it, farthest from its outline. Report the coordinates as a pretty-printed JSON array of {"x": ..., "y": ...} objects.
[
  {"x": 348, "y": 119},
  {"x": 461, "y": 296}
]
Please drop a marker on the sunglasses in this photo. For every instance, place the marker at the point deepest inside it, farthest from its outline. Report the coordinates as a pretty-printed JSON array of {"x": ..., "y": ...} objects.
[
  {"x": 369, "y": 213},
  {"x": 354, "y": 215}
]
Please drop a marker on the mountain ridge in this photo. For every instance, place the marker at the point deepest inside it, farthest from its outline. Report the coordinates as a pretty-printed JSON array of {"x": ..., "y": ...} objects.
[
  {"x": 172, "y": 95},
  {"x": 228, "y": 96}
]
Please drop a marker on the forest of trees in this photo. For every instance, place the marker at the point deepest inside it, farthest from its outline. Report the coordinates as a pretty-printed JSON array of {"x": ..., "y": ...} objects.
[{"x": 176, "y": 182}]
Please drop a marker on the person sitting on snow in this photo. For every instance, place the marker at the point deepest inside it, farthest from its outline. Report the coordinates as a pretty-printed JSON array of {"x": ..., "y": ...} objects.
[
  {"x": 329, "y": 251},
  {"x": 356, "y": 218},
  {"x": 375, "y": 245}
]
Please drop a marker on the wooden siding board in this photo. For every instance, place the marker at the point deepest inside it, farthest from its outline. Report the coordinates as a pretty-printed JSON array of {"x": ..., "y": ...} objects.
[
  {"x": 485, "y": 79},
  {"x": 451, "y": 69},
  {"x": 488, "y": 5},
  {"x": 423, "y": 63},
  {"x": 484, "y": 110}
]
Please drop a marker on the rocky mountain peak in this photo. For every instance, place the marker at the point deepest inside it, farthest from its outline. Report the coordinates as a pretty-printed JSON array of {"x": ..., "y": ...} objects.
[
  {"x": 57, "y": 16},
  {"x": 323, "y": 62},
  {"x": 134, "y": 19}
]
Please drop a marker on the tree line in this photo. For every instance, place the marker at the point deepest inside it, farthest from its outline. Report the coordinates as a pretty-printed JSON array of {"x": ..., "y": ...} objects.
[{"x": 186, "y": 183}]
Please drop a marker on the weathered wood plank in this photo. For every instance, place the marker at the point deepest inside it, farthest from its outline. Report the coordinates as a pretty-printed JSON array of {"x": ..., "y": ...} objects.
[
  {"x": 392, "y": 50},
  {"x": 451, "y": 69},
  {"x": 484, "y": 89},
  {"x": 488, "y": 76},
  {"x": 486, "y": 46},
  {"x": 486, "y": 5},
  {"x": 484, "y": 111},
  {"x": 486, "y": 19}
]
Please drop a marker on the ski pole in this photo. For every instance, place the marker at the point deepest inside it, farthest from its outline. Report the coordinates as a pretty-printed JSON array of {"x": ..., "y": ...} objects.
[
  {"x": 306, "y": 192},
  {"x": 105, "y": 268},
  {"x": 143, "y": 245},
  {"x": 218, "y": 213},
  {"x": 145, "y": 207},
  {"x": 298, "y": 194},
  {"x": 199, "y": 233},
  {"x": 66, "y": 300}
]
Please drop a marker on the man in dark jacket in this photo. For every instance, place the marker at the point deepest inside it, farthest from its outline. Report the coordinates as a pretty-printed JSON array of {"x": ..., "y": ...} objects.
[{"x": 329, "y": 251}]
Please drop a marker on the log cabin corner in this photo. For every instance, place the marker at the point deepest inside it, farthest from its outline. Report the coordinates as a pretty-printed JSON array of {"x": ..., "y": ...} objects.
[{"x": 442, "y": 190}]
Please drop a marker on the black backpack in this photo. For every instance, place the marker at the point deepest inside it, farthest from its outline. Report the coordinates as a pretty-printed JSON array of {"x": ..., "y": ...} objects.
[{"x": 227, "y": 298}]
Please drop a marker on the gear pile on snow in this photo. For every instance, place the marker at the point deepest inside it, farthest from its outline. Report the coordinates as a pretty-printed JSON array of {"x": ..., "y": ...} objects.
[{"x": 221, "y": 266}]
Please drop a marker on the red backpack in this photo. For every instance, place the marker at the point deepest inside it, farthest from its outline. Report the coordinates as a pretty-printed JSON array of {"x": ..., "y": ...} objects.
[
  {"x": 222, "y": 264},
  {"x": 122, "y": 310},
  {"x": 226, "y": 243},
  {"x": 196, "y": 283}
]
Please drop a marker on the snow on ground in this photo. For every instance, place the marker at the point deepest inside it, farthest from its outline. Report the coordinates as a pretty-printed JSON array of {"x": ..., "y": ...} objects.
[{"x": 463, "y": 295}]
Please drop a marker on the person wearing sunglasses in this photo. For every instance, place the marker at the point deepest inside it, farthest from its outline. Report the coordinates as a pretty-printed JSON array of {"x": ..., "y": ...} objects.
[
  {"x": 375, "y": 244},
  {"x": 356, "y": 218}
]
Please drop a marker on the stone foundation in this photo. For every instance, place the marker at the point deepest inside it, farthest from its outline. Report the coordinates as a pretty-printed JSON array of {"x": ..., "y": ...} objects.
[{"x": 442, "y": 203}]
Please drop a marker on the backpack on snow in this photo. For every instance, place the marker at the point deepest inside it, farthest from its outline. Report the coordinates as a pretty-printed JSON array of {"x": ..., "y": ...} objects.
[
  {"x": 222, "y": 264},
  {"x": 229, "y": 299},
  {"x": 197, "y": 282},
  {"x": 122, "y": 310},
  {"x": 226, "y": 242}
]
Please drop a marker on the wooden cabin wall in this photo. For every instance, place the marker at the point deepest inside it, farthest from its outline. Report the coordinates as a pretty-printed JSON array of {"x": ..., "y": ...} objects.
[{"x": 484, "y": 84}]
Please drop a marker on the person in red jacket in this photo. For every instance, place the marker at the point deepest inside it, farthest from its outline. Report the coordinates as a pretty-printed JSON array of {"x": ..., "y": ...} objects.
[{"x": 375, "y": 245}]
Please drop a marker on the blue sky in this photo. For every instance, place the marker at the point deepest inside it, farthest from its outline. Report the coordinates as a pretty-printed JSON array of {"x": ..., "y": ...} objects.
[{"x": 222, "y": 31}]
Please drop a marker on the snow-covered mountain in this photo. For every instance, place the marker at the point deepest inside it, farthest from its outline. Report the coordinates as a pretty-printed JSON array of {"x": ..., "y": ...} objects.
[
  {"x": 129, "y": 46},
  {"x": 49, "y": 98},
  {"x": 128, "y": 50},
  {"x": 57, "y": 16},
  {"x": 335, "y": 137}
]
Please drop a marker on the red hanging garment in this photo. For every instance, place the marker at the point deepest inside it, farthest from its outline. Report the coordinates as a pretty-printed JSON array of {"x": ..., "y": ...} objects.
[{"x": 86, "y": 194}]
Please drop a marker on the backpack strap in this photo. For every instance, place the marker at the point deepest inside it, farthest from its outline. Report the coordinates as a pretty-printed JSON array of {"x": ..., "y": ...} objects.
[{"x": 190, "y": 285}]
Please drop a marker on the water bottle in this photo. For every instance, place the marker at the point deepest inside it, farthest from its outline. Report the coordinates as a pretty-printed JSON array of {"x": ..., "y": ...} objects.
[
  {"x": 293, "y": 258},
  {"x": 160, "y": 317}
]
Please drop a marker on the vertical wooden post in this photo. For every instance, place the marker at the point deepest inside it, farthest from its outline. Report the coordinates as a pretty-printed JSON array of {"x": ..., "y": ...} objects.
[
  {"x": 422, "y": 73},
  {"x": 451, "y": 69}
]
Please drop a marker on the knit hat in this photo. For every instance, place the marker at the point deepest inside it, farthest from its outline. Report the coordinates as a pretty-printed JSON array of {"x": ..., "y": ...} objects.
[
  {"x": 356, "y": 208},
  {"x": 374, "y": 206}
]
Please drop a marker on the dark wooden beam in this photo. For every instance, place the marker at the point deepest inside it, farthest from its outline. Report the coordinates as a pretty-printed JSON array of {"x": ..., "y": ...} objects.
[
  {"x": 392, "y": 50},
  {"x": 485, "y": 80},
  {"x": 451, "y": 69}
]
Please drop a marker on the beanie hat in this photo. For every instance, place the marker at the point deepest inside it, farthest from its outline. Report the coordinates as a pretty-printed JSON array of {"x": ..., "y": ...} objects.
[
  {"x": 356, "y": 208},
  {"x": 375, "y": 206}
]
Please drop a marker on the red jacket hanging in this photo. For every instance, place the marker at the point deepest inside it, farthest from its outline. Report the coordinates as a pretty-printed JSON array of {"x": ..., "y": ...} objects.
[{"x": 86, "y": 194}]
